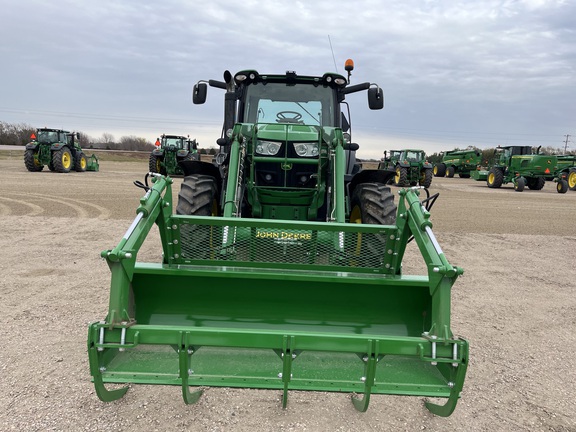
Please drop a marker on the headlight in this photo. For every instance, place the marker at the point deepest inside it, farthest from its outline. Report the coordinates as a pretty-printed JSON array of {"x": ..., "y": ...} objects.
[
  {"x": 267, "y": 148},
  {"x": 306, "y": 149}
]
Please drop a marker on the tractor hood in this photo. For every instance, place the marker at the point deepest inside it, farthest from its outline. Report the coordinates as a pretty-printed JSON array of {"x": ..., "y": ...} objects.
[{"x": 282, "y": 132}]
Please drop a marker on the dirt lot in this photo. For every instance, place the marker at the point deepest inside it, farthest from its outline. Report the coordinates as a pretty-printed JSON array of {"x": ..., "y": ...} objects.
[{"x": 516, "y": 303}]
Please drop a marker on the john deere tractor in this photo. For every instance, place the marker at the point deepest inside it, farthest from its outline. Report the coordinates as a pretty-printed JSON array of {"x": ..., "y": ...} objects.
[
  {"x": 520, "y": 165},
  {"x": 281, "y": 268},
  {"x": 410, "y": 166},
  {"x": 169, "y": 152},
  {"x": 59, "y": 150},
  {"x": 566, "y": 175},
  {"x": 461, "y": 162}
]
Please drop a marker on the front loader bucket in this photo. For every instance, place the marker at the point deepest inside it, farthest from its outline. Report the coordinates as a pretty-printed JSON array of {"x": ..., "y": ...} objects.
[
  {"x": 279, "y": 305},
  {"x": 93, "y": 163}
]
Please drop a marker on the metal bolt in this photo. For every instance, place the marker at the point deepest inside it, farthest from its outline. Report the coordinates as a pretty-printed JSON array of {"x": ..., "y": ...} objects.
[
  {"x": 280, "y": 375},
  {"x": 176, "y": 256},
  {"x": 190, "y": 351},
  {"x": 450, "y": 384},
  {"x": 454, "y": 364},
  {"x": 175, "y": 241},
  {"x": 433, "y": 363},
  {"x": 102, "y": 369},
  {"x": 363, "y": 379},
  {"x": 174, "y": 226},
  {"x": 365, "y": 358},
  {"x": 435, "y": 269},
  {"x": 293, "y": 356},
  {"x": 128, "y": 255},
  {"x": 190, "y": 372}
]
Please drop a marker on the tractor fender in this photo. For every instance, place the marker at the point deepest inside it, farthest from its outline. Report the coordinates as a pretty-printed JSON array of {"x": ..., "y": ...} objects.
[
  {"x": 428, "y": 165},
  {"x": 370, "y": 176},
  {"x": 158, "y": 152},
  {"x": 182, "y": 153},
  {"x": 32, "y": 146}
]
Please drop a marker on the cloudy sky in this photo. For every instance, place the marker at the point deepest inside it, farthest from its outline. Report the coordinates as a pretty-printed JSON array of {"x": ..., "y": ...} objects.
[{"x": 454, "y": 73}]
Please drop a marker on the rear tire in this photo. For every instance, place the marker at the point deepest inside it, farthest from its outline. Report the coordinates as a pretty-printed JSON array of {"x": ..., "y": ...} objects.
[
  {"x": 536, "y": 183},
  {"x": 572, "y": 179},
  {"x": 495, "y": 178},
  {"x": 155, "y": 164},
  {"x": 198, "y": 196},
  {"x": 401, "y": 177},
  {"x": 439, "y": 170},
  {"x": 62, "y": 160},
  {"x": 450, "y": 172},
  {"x": 31, "y": 163},
  {"x": 81, "y": 162},
  {"x": 371, "y": 203},
  {"x": 426, "y": 178}
]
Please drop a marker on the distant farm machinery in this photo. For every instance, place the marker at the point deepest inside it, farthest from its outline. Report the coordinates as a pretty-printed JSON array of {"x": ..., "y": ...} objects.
[{"x": 59, "y": 150}]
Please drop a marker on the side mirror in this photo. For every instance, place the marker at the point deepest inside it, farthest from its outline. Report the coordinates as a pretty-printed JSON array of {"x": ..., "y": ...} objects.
[
  {"x": 375, "y": 98},
  {"x": 199, "y": 93}
]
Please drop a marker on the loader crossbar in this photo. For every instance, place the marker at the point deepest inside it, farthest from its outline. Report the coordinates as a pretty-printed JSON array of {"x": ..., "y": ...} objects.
[{"x": 286, "y": 305}]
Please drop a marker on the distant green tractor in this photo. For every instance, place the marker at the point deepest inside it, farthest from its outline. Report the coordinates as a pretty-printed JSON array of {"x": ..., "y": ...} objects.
[
  {"x": 566, "y": 175},
  {"x": 411, "y": 167},
  {"x": 460, "y": 162},
  {"x": 60, "y": 150},
  {"x": 521, "y": 166},
  {"x": 169, "y": 152}
]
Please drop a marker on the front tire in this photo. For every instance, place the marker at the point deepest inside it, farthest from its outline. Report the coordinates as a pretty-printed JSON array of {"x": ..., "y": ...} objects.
[
  {"x": 31, "y": 162},
  {"x": 81, "y": 162},
  {"x": 562, "y": 186},
  {"x": 519, "y": 184},
  {"x": 450, "y": 172},
  {"x": 62, "y": 160}
]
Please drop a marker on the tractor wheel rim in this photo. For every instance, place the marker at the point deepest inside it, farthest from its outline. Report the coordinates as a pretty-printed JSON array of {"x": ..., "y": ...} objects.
[
  {"x": 491, "y": 178},
  {"x": 355, "y": 215},
  {"x": 66, "y": 160},
  {"x": 397, "y": 176},
  {"x": 572, "y": 180},
  {"x": 83, "y": 163}
]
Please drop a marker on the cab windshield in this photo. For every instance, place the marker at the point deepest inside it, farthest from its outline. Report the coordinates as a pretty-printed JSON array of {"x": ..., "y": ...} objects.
[
  {"x": 176, "y": 142},
  {"x": 303, "y": 104},
  {"x": 47, "y": 137},
  {"x": 413, "y": 156}
]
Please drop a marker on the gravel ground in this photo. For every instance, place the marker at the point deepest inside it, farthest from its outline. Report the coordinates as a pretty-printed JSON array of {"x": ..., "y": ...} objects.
[{"x": 516, "y": 304}]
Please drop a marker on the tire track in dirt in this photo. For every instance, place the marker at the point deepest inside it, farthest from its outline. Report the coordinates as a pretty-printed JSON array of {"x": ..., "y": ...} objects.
[
  {"x": 82, "y": 208},
  {"x": 6, "y": 210}
]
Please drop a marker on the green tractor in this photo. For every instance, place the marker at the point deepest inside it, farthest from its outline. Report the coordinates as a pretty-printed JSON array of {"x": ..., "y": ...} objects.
[
  {"x": 281, "y": 267},
  {"x": 410, "y": 166},
  {"x": 461, "y": 162},
  {"x": 60, "y": 150},
  {"x": 521, "y": 166},
  {"x": 170, "y": 151},
  {"x": 566, "y": 175}
]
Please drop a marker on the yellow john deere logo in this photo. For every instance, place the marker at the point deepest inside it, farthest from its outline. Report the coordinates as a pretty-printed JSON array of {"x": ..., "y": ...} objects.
[{"x": 286, "y": 166}]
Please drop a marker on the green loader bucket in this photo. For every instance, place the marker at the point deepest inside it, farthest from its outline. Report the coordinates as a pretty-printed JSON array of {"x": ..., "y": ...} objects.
[
  {"x": 93, "y": 163},
  {"x": 285, "y": 305}
]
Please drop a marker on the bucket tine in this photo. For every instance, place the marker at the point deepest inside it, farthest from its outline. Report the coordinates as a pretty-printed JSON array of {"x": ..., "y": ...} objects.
[
  {"x": 190, "y": 397},
  {"x": 448, "y": 408},
  {"x": 369, "y": 376},
  {"x": 104, "y": 394}
]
